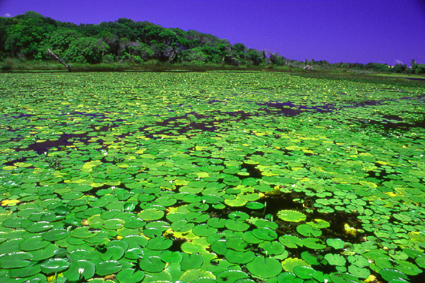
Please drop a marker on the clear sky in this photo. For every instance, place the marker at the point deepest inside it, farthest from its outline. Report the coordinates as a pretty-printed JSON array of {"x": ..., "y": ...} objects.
[{"x": 355, "y": 31}]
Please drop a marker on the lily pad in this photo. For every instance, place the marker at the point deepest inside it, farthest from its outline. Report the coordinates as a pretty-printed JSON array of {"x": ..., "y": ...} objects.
[
  {"x": 151, "y": 264},
  {"x": 53, "y": 265},
  {"x": 239, "y": 257},
  {"x": 192, "y": 261},
  {"x": 264, "y": 267},
  {"x": 108, "y": 267},
  {"x": 291, "y": 215},
  {"x": 130, "y": 275},
  {"x": 80, "y": 269},
  {"x": 15, "y": 260}
]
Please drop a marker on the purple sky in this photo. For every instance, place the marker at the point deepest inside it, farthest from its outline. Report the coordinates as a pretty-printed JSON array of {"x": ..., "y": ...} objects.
[{"x": 355, "y": 31}]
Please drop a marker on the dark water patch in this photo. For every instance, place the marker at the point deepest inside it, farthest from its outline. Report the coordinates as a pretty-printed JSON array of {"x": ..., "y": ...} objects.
[
  {"x": 253, "y": 172},
  {"x": 387, "y": 126},
  {"x": 215, "y": 101},
  {"x": 407, "y": 78},
  {"x": 290, "y": 109},
  {"x": 64, "y": 140}
]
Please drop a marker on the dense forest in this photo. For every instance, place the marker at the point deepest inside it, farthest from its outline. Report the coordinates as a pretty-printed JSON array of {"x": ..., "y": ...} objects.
[{"x": 29, "y": 36}]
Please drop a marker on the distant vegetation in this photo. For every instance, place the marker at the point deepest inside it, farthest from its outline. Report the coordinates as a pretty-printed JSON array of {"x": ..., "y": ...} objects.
[{"x": 24, "y": 40}]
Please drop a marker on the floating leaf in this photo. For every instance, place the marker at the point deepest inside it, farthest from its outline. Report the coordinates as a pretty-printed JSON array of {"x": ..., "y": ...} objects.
[
  {"x": 304, "y": 272},
  {"x": 290, "y": 263},
  {"x": 108, "y": 267},
  {"x": 335, "y": 243},
  {"x": 359, "y": 272},
  {"x": 53, "y": 265},
  {"x": 192, "y": 261},
  {"x": 291, "y": 215},
  {"x": 335, "y": 259},
  {"x": 15, "y": 260},
  {"x": 264, "y": 267},
  {"x": 151, "y": 214},
  {"x": 151, "y": 264},
  {"x": 130, "y": 276},
  {"x": 239, "y": 257},
  {"x": 80, "y": 269}
]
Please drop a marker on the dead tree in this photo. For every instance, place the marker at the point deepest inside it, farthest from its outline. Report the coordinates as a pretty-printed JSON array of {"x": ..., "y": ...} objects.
[{"x": 57, "y": 58}]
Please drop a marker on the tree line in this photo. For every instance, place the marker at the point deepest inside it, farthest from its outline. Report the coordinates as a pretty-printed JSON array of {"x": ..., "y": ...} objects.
[{"x": 30, "y": 35}]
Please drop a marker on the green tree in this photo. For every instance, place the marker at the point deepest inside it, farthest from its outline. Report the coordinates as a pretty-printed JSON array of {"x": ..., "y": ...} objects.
[
  {"x": 418, "y": 68},
  {"x": 254, "y": 57},
  {"x": 152, "y": 33},
  {"x": 86, "y": 50},
  {"x": 24, "y": 37},
  {"x": 276, "y": 59},
  {"x": 111, "y": 40},
  {"x": 195, "y": 54},
  {"x": 399, "y": 68},
  {"x": 167, "y": 36}
]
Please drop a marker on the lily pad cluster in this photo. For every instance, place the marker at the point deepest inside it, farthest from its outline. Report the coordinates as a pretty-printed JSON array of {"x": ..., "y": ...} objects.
[{"x": 210, "y": 177}]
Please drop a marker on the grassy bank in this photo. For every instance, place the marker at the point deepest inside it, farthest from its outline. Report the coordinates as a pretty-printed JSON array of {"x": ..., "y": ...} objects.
[{"x": 16, "y": 64}]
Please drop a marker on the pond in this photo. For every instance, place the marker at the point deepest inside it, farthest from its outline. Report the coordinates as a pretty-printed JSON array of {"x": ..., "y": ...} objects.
[{"x": 210, "y": 177}]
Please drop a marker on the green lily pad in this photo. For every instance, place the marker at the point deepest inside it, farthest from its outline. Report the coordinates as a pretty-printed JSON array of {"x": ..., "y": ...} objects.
[
  {"x": 135, "y": 241},
  {"x": 159, "y": 243},
  {"x": 53, "y": 265},
  {"x": 335, "y": 243},
  {"x": 265, "y": 234},
  {"x": 169, "y": 256},
  {"x": 39, "y": 227},
  {"x": 254, "y": 205},
  {"x": 335, "y": 259},
  {"x": 80, "y": 269},
  {"x": 291, "y": 241},
  {"x": 161, "y": 225},
  {"x": 239, "y": 257},
  {"x": 33, "y": 243},
  {"x": 130, "y": 275},
  {"x": 204, "y": 230},
  {"x": 219, "y": 247},
  {"x": 304, "y": 272},
  {"x": 197, "y": 217},
  {"x": 238, "y": 215},
  {"x": 192, "y": 261},
  {"x": 55, "y": 234},
  {"x": 44, "y": 253},
  {"x": 113, "y": 224},
  {"x": 25, "y": 272},
  {"x": 151, "y": 264},
  {"x": 108, "y": 267},
  {"x": 392, "y": 274},
  {"x": 217, "y": 222},
  {"x": 236, "y": 202},
  {"x": 150, "y": 214},
  {"x": 198, "y": 276},
  {"x": 314, "y": 243},
  {"x": 230, "y": 276},
  {"x": 152, "y": 232},
  {"x": 15, "y": 260},
  {"x": 291, "y": 215},
  {"x": 272, "y": 248},
  {"x": 113, "y": 253},
  {"x": 264, "y": 267},
  {"x": 236, "y": 225},
  {"x": 290, "y": 263},
  {"x": 134, "y": 253},
  {"x": 309, "y": 258},
  {"x": 308, "y": 231},
  {"x": 359, "y": 272},
  {"x": 182, "y": 226}
]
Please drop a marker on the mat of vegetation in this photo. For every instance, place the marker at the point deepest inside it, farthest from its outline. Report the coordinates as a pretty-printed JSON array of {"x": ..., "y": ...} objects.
[{"x": 210, "y": 177}]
